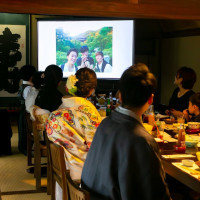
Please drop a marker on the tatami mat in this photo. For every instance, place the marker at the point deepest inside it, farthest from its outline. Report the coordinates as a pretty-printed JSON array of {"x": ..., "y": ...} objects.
[{"x": 14, "y": 178}]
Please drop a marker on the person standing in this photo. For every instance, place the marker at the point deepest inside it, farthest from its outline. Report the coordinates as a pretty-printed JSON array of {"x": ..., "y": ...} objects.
[
  {"x": 123, "y": 161},
  {"x": 26, "y": 73}
]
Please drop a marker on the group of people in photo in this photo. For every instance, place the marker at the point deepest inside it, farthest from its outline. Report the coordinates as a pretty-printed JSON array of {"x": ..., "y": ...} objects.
[
  {"x": 74, "y": 62},
  {"x": 115, "y": 158}
]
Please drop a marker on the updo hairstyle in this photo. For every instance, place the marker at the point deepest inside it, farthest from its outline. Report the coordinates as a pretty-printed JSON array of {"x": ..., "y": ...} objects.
[{"x": 87, "y": 80}]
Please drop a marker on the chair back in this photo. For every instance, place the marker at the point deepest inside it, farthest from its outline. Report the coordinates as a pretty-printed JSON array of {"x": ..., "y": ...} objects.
[
  {"x": 40, "y": 150},
  {"x": 75, "y": 192},
  {"x": 29, "y": 138},
  {"x": 58, "y": 168}
]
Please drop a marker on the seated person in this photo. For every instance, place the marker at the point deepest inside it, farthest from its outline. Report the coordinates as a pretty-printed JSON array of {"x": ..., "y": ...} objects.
[
  {"x": 74, "y": 124},
  {"x": 123, "y": 161},
  {"x": 185, "y": 79},
  {"x": 49, "y": 97},
  {"x": 102, "y": 65},
  {"x": 85, "y": 60},
  {"x": 193, "y": 112}
]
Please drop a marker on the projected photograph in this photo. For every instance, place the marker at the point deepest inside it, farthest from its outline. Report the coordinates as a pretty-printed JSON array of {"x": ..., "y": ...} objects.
[{"x": 79, "y": 47}]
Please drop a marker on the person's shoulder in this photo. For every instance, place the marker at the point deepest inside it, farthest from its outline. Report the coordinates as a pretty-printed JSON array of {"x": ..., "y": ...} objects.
[{"x": 190, "y": 92}]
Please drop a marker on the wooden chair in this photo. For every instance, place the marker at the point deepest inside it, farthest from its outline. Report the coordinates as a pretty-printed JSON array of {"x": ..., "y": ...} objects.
[
  {"x": 58, "y": 169},
  {"x": 75, "y": 192},
  {"x": 29, "y": 139},
  {"x": 39, "y": 151}
]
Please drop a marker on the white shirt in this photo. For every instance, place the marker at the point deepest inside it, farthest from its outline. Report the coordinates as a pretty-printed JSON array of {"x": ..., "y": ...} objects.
[
  {"x": 26, "y": 90},
  {"x": 66, "y": 68},
  {"x": 30, "y": 98},
  {"x": 108, "y": 68}
]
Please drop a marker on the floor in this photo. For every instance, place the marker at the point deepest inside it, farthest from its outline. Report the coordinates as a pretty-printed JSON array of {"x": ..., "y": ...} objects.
[{"x": 15, "y": 182}]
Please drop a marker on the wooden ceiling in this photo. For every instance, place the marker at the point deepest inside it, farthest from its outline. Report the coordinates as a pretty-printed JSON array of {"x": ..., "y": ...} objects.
[{"x": 154, "y": 9}]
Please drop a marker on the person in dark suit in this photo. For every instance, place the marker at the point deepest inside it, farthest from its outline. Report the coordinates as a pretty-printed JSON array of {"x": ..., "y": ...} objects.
[{"x": 123, "y": 161}]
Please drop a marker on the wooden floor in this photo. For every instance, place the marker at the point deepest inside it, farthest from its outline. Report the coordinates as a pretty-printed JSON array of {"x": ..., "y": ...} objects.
[{"x": 15, "y": 182}]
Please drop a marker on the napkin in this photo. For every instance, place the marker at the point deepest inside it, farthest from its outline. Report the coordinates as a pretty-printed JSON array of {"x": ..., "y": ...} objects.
[{"x": 175, "y": 156}]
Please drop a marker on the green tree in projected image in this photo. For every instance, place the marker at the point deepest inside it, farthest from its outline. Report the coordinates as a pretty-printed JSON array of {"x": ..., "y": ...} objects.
[{"x": 99, "y": 40}]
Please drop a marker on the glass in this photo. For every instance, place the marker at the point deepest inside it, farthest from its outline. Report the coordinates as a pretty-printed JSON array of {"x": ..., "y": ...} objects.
[
  {"x": 102, "y": 99},
  {"x": 181, "y": 119},
  {"x": 149, "y": 115},
  {"x": 102, "y": 111}
]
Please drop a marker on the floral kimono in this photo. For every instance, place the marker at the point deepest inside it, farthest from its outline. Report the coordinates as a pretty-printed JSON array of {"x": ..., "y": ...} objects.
[{"x": 73, "y": 126}]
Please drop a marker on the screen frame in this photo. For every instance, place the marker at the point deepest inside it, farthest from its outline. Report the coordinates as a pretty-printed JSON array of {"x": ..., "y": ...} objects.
[{"x": 74, "y": 18}]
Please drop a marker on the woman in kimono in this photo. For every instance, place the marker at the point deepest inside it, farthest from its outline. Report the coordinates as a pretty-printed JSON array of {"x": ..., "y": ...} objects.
[{"x": 74, "y": 124}]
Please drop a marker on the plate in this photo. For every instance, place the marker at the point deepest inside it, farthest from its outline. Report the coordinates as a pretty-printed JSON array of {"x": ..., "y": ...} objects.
[{"x": 170, "y": 121}]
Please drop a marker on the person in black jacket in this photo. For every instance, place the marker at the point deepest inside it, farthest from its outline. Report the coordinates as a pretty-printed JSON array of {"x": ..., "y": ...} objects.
[
  {"x": 123, "y": 161},
  {"x": 102, "y": 65},
  {"x": 85, "y": 60},
  {"x": 49, "y": 97}
]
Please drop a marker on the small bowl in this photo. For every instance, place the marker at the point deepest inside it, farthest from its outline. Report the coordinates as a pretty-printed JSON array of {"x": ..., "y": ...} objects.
[
  {"x": 192, "y": 143},
  {"x": 188, "y": 163},
  {"x": 193, "y": 125}
]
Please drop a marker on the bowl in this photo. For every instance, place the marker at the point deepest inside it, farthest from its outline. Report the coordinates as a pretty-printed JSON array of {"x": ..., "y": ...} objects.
[
  {"x": 188, "y": 163},
  {"x": 193, "y": 125},
  {"x": 191, "y": 143},
  {"x": 192, "y": 131}
]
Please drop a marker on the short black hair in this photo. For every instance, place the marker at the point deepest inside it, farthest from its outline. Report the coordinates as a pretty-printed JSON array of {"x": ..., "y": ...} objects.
[
  {"x": 136, "y": 85},
  {"x": 188, "y": 75},
  {"x": 26, "y": 72},
  {"x": 52, "y": 75},
  {"x": 72, "y": 49},
  {"x": 87, "y": 80},
  {"x": 37, "y": 79},
  {"x": 84, "y": 49},
  {"x": 195, "y": 99}
]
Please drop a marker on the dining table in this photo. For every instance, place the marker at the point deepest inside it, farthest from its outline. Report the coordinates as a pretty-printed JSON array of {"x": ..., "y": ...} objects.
[{"x": 173, "y": 162}]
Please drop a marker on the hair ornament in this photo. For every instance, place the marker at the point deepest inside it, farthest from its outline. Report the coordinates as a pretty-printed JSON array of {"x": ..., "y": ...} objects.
[{"x": 70, "y": 85}]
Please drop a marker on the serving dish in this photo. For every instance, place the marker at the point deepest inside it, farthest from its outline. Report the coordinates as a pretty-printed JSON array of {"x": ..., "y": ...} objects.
[
  {"x": 188, "y": 163},
  {"x": 191, "y": 143},
  {"x": 170, "y": 121}
]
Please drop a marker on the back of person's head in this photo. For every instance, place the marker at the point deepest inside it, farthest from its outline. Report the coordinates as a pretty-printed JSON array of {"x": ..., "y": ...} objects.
[
  {"x": 72, "y": 49},
  {"x": 84, "y": 49},
  {"x": 52, "y": 75},
  {"x": 195, "y": 99},
  {"x": 37, "y": 80},
  {"x": 87, "y": 80},
  {"x": 137, "y": 84},
  {"x": 26, "y": 72},
  {"x": 188, "y": 75}
]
